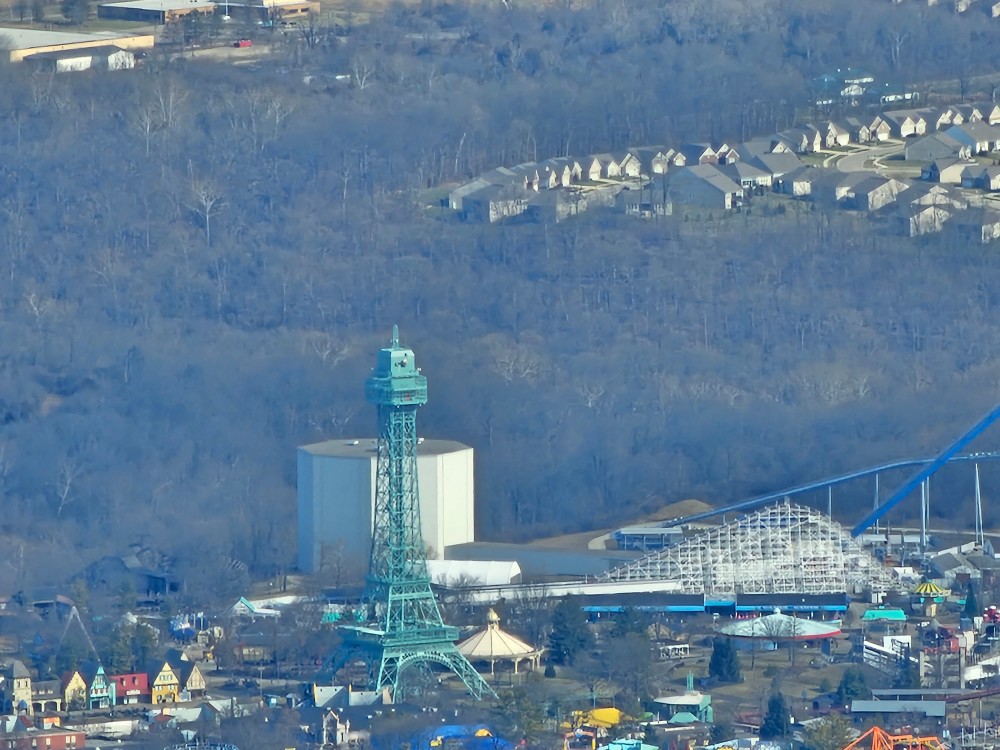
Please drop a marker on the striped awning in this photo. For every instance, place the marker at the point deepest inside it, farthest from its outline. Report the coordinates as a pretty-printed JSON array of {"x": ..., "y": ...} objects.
[{"x": 929, "y": 588}]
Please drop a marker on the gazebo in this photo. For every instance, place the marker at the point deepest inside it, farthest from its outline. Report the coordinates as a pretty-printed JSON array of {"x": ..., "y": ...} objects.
[{"x": 493, "y": 645}]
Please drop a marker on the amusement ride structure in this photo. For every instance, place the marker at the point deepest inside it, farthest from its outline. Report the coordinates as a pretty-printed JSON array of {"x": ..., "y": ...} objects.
[
  {"x": 780, "y": 549},
  {"x": 404, "y": 630}
]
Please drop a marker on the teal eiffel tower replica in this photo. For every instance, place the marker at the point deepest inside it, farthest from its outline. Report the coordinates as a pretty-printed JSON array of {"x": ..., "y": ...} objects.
[{"x": 404, "y": 630}]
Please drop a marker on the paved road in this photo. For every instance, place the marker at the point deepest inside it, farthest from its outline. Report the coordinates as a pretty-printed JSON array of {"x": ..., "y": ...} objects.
[{"x": 867, "y": 160}]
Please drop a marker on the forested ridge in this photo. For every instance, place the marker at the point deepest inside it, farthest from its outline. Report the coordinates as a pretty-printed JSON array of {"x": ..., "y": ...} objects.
[{"x": 199, "y": 261}]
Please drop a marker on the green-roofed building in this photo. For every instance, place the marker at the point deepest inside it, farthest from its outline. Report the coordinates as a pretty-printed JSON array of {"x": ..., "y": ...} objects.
[{"x": 884, "y": 614}]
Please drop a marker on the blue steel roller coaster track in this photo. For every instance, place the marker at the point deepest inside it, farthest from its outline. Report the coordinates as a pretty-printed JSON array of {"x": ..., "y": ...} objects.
[{"x": 926, "y": 468}]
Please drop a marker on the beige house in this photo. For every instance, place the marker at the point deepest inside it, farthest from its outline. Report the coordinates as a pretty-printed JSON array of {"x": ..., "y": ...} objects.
[
  {"x": 802, "y": 140},
  {"x": 837, "y": 134},
  {"x": 189, "y": 676},
  {"x": 991, "y": 113},
  {"x": 945, "y": 171},
  {"x": 624, "y": 165},
  {"x": 879, "y": 129},
  {"x": 874, "y": 193},
  {"x": 653, "y": 160},
  {"x": 600, "y": 166},
  {"x": 797, "y": 183},
  {"x": 916, "y": 219},
  {"x": 933, "y": 195},
  {"x": 860, "y": 131},
  {"x": 905, "y": 123},
  {"x": 562, "y": 171},
  {"x": 16, "y": 689}
]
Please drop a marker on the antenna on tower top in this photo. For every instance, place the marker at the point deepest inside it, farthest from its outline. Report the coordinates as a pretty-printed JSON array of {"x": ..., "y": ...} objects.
[{"x": 395, "y": 336}]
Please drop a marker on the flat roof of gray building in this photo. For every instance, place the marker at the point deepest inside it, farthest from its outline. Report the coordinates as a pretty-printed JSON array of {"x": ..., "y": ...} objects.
[
  {"x": 935, "y": 709},
  {"x": 28, "y": 38},
  {"x": 160, "y": 6},
  {"x": 651, "y": 530},
  {"x": 365, "y": 447}
]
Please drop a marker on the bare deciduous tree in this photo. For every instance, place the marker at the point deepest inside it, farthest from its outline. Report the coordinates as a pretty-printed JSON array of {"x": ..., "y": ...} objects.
[
  {"x": 69, "y": 471},
  {"x": 208, "y": 202}
]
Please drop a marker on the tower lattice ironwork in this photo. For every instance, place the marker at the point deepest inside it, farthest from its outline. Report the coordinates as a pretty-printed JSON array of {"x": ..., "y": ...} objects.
[{"x": 404, "y": 629}]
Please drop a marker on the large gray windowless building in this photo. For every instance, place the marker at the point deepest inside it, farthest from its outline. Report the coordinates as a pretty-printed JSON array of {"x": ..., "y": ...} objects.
[{"x": 336, "y": 499}]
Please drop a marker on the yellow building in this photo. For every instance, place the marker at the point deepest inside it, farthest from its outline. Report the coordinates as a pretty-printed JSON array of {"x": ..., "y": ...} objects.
[
  {"x": 192, "y": 681},
  {"x": 21, "y": 43},
  {"x": 74, "y": 689},
  {"x": 164, "y": 687}
]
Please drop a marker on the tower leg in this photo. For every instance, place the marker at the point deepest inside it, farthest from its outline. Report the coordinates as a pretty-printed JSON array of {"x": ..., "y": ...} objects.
[{"x": 397, "y": 661}]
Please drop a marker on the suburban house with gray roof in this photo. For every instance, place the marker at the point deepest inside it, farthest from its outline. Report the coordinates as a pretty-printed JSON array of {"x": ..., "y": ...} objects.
[
  {"x": 935, "y": 146},
  {"x": 872, "y": 193},
  {"x": 777, "y": 164},
  {"x": 914, "y": 219},
  {"x": 978, "y": 136},
  {"x": 747, "y": 175},
  {"x": 699, "y": 153},
  {"x": 837, "y": 134},
  {"x": 905, "y": 123},
  {"x": 705, "y": 186},
  {"x": 653, "y": 159},
  {"x": 976, "y": 225},
  {"x": 982, "y": 177},
  {"x": 797, "y": 183},
  {"x": 947, "y": 171}
]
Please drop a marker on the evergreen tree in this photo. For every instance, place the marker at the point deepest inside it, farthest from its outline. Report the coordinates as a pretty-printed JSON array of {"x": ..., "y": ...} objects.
[
  {"x": 68, "y": 657},
  {"x": 832, "y": 733},
  {"x": 725, "y": 662},
  {"x": 721, "y": 731},
  {"x": 120, "y": 659},
  {"x": 570, "y": 633},
  {"x": 629, "y": 620},
  {"x": 143, "y": 644},
  {"x": 775, "y": 722},
  {"x": 971, "y": 608},
  {"x": 852, "y": 685}
]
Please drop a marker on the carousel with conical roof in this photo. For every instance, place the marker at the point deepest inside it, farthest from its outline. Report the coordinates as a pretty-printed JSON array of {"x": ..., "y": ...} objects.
[{"x": 494, "y": 646}]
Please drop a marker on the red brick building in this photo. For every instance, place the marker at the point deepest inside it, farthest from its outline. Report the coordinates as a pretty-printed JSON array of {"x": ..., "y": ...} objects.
[{"x": 37, "y": 739}]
